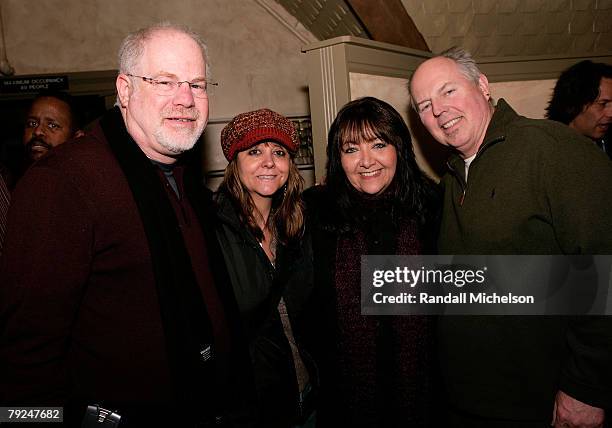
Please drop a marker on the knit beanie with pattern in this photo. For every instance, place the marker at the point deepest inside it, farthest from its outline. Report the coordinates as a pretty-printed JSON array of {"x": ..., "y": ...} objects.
[{"x": 251, "y": 128}]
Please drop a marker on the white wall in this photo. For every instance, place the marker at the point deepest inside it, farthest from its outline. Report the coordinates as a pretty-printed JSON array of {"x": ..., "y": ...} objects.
[
  {"x": 256, "y": 60},
  {"x": 529, "y": 97}
]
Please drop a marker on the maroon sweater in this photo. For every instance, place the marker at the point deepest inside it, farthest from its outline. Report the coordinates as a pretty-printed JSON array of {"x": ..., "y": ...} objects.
[{"x": 79, "y": 307}]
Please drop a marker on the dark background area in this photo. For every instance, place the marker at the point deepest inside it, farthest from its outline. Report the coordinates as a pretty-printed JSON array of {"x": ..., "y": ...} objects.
[{"x": 12, "y": 120}]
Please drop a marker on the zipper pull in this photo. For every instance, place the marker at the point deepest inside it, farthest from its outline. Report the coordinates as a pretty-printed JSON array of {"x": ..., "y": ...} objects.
[{"x": 462, "y": 198}]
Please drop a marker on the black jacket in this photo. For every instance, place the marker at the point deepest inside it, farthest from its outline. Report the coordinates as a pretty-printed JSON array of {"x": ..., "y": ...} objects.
[{"x": 258, "y": 287}]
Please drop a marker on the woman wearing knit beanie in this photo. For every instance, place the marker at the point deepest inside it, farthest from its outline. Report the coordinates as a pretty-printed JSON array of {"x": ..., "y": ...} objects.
[
  {"x": 261, "y": 228},
  {"x": 375, "y": 371}
]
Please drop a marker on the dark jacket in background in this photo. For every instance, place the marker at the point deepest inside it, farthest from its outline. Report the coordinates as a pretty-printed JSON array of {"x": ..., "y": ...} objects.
[
  {"x": 5, "y": 198},
  {"x": 258, "y": 287},
  {"x": 605, "y": 144},
  {"x": 535, "y": 187}
]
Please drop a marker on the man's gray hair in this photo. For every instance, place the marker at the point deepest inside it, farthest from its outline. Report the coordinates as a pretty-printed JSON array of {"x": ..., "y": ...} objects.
[
  {"x": 467, "y": 65},
  {"x": 132, "y": 47},
  {"x": 465, "y": 62}
]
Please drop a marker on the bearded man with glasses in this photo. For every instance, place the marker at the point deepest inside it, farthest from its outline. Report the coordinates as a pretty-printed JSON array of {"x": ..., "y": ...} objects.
[{"x": 113, "y": 287}]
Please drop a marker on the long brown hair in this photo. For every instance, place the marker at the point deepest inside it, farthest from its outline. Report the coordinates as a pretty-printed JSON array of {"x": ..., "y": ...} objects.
[{"x": 286, "y": 219}]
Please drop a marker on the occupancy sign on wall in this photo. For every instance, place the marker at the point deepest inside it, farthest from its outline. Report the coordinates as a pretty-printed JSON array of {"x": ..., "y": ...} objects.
[{"x": 33, "y": 84}]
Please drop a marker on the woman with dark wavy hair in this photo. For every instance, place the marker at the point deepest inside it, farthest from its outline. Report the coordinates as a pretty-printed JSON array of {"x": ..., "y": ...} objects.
[
  {"x": 375, "y": 371},
  {"x": 261, "y": 228}
]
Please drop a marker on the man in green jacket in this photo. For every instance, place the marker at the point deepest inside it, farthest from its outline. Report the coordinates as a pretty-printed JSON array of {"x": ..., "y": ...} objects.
[{"x": 534, "y": 187}]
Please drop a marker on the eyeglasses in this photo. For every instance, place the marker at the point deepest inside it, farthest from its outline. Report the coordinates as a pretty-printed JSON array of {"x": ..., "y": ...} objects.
[{"x": 168, "y": 86}]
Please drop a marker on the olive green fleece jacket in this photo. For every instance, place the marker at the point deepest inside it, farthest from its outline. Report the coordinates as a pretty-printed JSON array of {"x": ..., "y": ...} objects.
[{"x": 534, "y": 187}]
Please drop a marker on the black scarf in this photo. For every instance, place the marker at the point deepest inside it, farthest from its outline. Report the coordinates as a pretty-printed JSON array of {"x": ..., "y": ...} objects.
[{"x": 186, "y": 324}]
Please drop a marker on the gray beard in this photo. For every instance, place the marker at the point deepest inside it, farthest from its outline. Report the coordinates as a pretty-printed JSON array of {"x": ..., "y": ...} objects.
[{"x": 179, "y": 144}]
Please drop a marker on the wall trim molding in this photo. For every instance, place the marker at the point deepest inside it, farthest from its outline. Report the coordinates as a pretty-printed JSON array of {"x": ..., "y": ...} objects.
[
  {"x": 330, "y": 63},
  {"x": 497, "y": 69},
  {"x": 532, "y": 68}
]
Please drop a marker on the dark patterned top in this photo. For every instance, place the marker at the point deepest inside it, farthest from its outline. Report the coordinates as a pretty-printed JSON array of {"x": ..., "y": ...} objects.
[{"x": 4, "y": 206}]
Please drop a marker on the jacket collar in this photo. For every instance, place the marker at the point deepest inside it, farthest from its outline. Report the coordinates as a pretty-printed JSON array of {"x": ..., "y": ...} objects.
[
  {"x": 227, "y": 214},
  {"x": 226, "y": 211},
  {"x": 496, "y": 132},
  {"x": 503, "y": 116}
]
